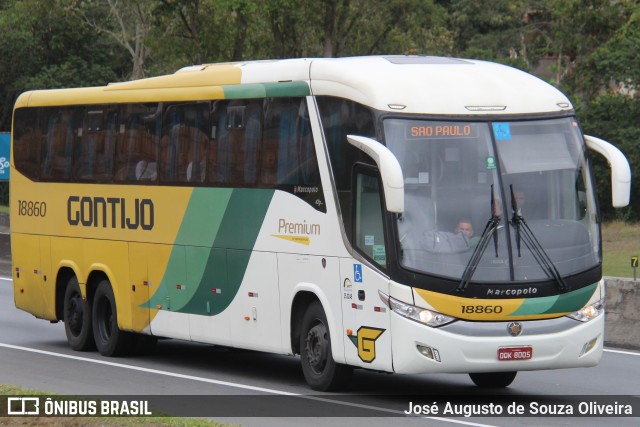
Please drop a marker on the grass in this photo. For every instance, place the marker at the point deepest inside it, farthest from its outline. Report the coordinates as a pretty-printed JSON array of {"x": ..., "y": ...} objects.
[
  {"x": 4, "y": 209},
  {"x": 9, "y": 390},
  {"x": 620, "y": 241}
]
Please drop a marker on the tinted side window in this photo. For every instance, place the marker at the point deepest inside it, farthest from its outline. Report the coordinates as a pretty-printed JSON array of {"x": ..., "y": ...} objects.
[
  {"x": 95, "y": 144},
  {"x": 291, "y": 144},
  {"x": 57, "y": 147},
  {"x": 341, "y": 117},
  {"x": 137, "y": 142},
  {"x": 27, "y": 139},
  {"x": 238, "y": 135},
  {"x": 185, "y": 143}
]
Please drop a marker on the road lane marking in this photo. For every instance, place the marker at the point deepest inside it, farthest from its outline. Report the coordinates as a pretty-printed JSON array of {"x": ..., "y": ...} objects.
[
  {"x": 630, "y": 353},
  {"x": 228, "y": 384}
]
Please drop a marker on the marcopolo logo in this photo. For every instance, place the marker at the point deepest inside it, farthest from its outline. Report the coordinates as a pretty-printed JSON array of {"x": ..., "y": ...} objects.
[{"x": 110, "y": 212}]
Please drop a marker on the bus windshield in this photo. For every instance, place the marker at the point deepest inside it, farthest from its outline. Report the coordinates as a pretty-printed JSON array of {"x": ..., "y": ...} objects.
[{"x": 495, "y": 201}]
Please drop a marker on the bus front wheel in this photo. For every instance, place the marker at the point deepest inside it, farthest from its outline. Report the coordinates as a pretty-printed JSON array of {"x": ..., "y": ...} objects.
[
  {"x": 493, "y": 379},
  {"x": 110, "y": 340},
  {"x": 77, "y": 318},
  {"x": 320, "y": 371}
]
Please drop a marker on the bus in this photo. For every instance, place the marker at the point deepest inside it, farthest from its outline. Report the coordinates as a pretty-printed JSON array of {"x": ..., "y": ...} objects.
[{"x": 312, "y": 207}]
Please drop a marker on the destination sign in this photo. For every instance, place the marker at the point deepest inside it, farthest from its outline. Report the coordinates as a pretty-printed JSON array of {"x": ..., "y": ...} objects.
[{"x": 440, "y": 130}]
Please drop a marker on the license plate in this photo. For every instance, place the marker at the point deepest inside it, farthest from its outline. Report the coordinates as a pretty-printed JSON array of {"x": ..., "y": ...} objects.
[{"x": 506, "y": 354}]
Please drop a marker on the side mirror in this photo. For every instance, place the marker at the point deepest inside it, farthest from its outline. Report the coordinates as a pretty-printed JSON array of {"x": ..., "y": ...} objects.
[
  {"x": 620, "y": 171},
  {"x": 390, "y": 170}
]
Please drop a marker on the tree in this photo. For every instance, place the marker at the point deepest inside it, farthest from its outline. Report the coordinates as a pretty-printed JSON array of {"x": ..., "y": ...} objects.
[
  {"x": 43, "y": 49},
  {"x": 128, "y": 22}
]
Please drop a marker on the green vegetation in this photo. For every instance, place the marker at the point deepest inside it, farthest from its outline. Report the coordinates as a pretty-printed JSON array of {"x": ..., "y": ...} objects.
[
  {"x": 9, "y": 390},
  {"x": 620, "y": 241}
]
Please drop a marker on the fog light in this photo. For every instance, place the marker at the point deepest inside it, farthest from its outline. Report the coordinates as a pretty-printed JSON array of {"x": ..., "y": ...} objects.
[
  {"x": 431, "y": 353},
  {"x": 588, "y": 346}
]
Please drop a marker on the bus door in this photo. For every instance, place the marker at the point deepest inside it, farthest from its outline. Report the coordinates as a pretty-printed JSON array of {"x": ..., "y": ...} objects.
[{"x": 366, "y": 320}]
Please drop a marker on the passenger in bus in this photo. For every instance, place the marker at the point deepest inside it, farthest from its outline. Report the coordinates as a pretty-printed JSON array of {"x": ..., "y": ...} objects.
[
  {"x": 466, "y": 228},
  {"x": 146, "y": 171}
]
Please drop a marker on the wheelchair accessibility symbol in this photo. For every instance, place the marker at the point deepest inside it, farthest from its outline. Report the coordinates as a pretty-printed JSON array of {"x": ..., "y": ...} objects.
[{"x": 357, "y": 273}]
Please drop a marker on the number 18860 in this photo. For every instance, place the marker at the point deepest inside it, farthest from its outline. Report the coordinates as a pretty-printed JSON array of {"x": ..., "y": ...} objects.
[
  {"x": 31, "y": 208},
  {"x": 481, "y": 309}
]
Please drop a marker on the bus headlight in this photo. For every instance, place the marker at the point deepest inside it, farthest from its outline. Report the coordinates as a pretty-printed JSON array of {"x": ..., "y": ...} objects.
[
  {"x": 422, "y": 315},
  {"x": 588, "y": 312}
]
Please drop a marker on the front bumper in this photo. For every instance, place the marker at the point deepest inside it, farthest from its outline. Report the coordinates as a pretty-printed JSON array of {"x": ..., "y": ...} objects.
[{"x": 464, "y": 347}]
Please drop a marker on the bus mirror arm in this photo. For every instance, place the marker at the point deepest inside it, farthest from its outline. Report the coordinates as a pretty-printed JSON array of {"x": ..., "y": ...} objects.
[
  {"x": 620, "y": 171},
  {"x": 390, "y": 170}
]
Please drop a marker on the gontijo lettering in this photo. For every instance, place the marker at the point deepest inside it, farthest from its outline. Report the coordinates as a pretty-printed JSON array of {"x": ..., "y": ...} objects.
[{"x": 110, "y": 212}]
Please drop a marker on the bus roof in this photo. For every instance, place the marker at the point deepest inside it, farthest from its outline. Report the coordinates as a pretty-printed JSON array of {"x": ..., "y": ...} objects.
[{"x": 410, "y": 84}]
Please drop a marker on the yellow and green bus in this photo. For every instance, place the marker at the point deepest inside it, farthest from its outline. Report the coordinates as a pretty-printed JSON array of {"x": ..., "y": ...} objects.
[{"x": 314, "y": 207}]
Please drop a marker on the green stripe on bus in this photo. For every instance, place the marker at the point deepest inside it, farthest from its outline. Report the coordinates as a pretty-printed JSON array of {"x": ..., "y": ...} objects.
[
  {"x": 287, "y": 89},
  {"x": 201, "y": 220},
  {"x": 565, "y": 303},
  {"x": 212, "y": 251},
  {"x": 573, "y": 301},
  {"x": 535, "y": 306},
  {"x": 266, "y": 90}
]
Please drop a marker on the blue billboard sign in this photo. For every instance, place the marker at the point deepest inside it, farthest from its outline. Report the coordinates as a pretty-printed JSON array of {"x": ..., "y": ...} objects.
[{"x": 5, "y": 139}]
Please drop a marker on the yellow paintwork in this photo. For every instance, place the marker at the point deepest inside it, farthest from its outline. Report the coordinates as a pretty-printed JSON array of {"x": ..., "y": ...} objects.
[
  {"x": 452, "y": 306},
  {"x": 129, "y": 258},
  {"x": 203, "y": 85}
]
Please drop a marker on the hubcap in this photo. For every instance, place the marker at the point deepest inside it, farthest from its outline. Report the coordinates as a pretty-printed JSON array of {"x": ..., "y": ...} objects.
[
  {"x": 75, "y": 314},
  {"x": 317, "y": 346}
]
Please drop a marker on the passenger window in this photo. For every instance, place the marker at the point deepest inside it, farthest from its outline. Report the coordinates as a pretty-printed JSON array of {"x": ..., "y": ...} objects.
[
  {"x": 184, "y": 143},
  {"x": 57, "y": 150},
  {"x": 137, "y": 143},
  {"x": 237, "y": 127},
  {"x": 94, "y": 145},
  {"x": 27, "y": 141}
]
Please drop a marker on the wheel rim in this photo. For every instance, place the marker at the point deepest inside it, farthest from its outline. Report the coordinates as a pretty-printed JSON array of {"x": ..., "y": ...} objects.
[
  {"x": 75, "y": 314},
  {"x": 317, "y": 348}
]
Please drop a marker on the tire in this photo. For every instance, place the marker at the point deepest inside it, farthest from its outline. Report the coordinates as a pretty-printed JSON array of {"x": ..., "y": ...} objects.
[
  {"x": 77, "y": 318},
  {"x": 110, "y": 340},
  {"x": 493, "y": 379},
  {"x": 320, "y": 371}
]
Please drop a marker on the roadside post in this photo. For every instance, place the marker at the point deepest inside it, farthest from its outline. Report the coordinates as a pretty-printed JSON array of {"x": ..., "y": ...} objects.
[{"x": 634, "y": 265}]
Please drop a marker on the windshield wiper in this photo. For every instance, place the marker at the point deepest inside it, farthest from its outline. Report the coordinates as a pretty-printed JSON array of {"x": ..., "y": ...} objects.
[
  {"x": 524, "y": 233},
  {"x": 489, "y": 230}
]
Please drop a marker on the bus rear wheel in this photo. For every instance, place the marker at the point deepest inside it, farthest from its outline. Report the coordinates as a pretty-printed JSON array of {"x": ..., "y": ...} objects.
[
  {"x": 110, "y": 340},
  {"x": 77, "y": 318},
  {"x": 493, "y": 379},
  {"x": 320, "y": 371}
]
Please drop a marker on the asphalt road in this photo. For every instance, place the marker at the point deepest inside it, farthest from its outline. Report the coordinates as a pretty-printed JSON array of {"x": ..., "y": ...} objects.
[{"x": 34, "y": 354}]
